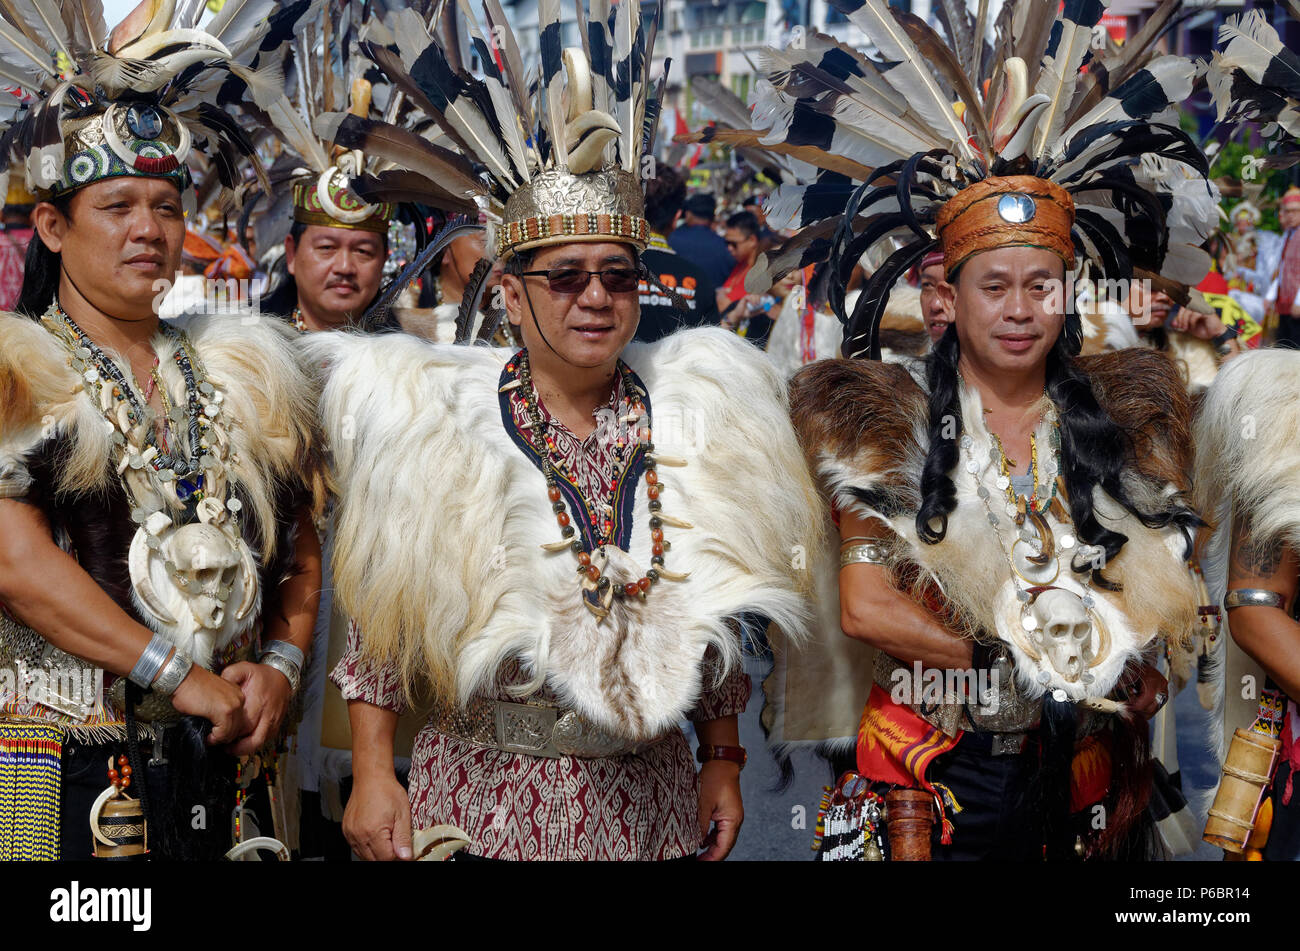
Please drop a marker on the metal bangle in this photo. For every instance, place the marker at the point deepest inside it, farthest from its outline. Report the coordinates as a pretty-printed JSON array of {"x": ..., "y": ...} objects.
[
  {"x": 288, "y": 651},
  {"x": 1253, "y": 598},
  {"x": 863, "y": 554},
  {"x": 173, "y": 673},
  {"x": 151, "y": 661},
  {"x": 282, "y": 664}
]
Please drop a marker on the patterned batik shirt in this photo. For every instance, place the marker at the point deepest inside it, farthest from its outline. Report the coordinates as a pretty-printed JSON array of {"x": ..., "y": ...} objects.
[{"x": 642, "y": 806}]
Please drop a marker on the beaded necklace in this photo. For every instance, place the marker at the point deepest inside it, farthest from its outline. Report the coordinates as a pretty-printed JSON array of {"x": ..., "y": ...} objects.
[
  {"x": 1033, "y": 530},
  {"x": 1040, "y": 500},
  {"x": 597, "y": 590},
  {"x": 198, "y": 480}
]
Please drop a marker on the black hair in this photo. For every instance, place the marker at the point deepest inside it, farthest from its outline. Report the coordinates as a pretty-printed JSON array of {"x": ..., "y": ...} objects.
[
  {"x": 519, "y": 262},
  {"x": 41, "y": 270},
  {"x": 702, "y": 205},
  {"x": 1094, "y": 448},
  {"x": 664, "y": 195},
  {"x": 745, "y": 221}
]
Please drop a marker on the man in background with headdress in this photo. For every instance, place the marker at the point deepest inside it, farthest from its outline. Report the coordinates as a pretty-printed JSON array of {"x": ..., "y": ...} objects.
[
  {"x": 1255, "y": 249},
  {"x": 334, "y": 254}
]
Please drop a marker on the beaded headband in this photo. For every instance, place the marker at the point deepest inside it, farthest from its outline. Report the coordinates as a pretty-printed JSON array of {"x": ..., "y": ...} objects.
[{"x": 99, "y": 142}]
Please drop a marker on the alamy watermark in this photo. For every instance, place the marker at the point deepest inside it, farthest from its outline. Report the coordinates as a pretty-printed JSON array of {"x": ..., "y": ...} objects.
[
  {"x": 932, "y": 686},
  {"x": 55, "y": 687}
]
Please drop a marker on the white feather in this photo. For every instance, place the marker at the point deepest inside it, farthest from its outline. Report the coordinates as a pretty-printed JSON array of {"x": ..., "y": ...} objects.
[
  {"x": 911, "y": 77},
  {"x": 1057, "y": 81}
]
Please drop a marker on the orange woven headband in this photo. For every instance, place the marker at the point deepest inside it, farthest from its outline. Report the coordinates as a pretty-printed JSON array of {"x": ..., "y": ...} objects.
[{"x": 1016, "y": 210}]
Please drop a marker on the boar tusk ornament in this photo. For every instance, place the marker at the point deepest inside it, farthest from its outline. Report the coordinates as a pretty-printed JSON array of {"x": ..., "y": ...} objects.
[{"x": 201, "y": 562}]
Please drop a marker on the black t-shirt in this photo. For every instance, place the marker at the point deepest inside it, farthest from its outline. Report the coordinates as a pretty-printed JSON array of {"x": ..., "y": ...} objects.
[{"x": 659, "y": 317}]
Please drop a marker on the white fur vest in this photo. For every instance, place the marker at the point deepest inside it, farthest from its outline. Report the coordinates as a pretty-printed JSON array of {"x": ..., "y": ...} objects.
[{"x": 441, "y": 521}]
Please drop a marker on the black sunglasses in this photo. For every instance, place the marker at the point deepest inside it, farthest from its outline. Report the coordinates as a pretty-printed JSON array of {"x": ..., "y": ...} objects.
[{"x": 574, "y": 280}]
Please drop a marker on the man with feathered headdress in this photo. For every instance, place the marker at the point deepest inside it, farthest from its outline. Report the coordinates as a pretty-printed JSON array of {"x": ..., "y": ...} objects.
[
  {"x": 1013, "y": 517},
  {"x": 155, "y": 477},
  {"x": 565, "y": 586},
  {"x": 337, "y": 245}
]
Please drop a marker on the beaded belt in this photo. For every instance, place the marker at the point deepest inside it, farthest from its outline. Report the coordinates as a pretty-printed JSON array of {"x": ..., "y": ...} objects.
[{"x": 532, "y": 729}]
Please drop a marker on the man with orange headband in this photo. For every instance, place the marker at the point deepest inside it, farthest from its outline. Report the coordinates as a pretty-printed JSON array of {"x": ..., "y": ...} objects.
[{"x": 1013, "y": 528}]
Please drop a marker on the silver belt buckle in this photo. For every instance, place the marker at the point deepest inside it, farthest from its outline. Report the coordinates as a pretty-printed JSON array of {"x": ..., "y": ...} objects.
[
  {"x": 524, "y": 728},
  {"x": 1008, "y": 744}
]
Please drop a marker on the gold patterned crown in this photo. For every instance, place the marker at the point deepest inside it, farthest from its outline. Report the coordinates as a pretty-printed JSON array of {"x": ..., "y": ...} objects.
[{"x": 558, "y": 206}]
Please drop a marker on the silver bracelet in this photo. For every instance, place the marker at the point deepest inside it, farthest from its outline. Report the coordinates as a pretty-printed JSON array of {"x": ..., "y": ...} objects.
[
  {"x": 1253, "y": 598},
  {"x": 282, "y": 664},
  {"x": 863, "y": 554},
  {"x": 289, "y": 652},
  {"x": 151, "y": 661},
  {"x": 173, "y": 673}
]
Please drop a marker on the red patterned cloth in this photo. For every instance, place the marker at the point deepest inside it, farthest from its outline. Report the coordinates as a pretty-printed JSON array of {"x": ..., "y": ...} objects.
[
  {"x": 1288, "y": 275},
  {"x": 518, "y": 807},
  {"x": 13, "y": 254},
  {"x": 595, "y": 463}
]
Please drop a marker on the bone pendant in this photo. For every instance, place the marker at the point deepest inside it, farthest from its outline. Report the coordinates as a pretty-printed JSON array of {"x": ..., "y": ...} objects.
[
  {"x": 138, "y": 564},
  {"x": 1063, "y": 632}
]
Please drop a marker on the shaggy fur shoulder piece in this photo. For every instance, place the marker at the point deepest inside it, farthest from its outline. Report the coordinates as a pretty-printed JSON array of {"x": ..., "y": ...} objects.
[
  {"x": 1247, "y": 435},
  {"x": 1248, "y": 454},
  {"x": 864, "y": 429},
  {"x": 41, "y": 398},
  {"x": 1143, "y": 392},
  {"x": 441, "y": 520},
  {"x": 268, "y": 401},
  {"x": 871, "y": 418}
]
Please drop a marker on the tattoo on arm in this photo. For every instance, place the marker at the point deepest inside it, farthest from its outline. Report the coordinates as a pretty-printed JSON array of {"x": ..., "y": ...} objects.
[{"x": 1260, "y": 559}]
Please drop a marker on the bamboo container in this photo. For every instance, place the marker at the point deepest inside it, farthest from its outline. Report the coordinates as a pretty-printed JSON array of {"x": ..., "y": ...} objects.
[{"x": 1247, "y": 771}]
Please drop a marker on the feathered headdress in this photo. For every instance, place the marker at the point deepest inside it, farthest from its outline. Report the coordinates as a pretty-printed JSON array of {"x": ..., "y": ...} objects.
[
  {"x": 1050, "y": 136},
  {"x": 290, "y": 85},
  {"x": 563, "y": 165},
  {"x": 89, "y": 105},
  {"x": 1255, "y": 78}
]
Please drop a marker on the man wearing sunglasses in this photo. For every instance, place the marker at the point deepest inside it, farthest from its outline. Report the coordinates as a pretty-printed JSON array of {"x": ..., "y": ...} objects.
[{"x": 565, "y": 559}]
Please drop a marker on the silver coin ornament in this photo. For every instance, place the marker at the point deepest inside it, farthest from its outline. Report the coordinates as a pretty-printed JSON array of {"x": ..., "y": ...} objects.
[{"x": 1016, "y": 208}]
